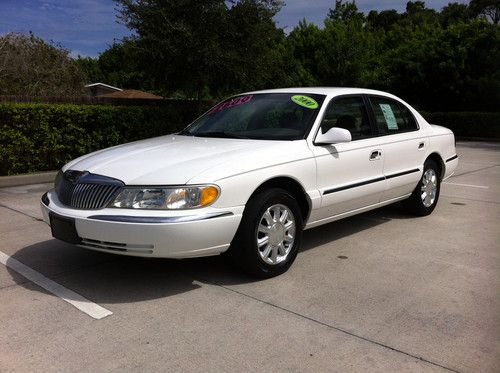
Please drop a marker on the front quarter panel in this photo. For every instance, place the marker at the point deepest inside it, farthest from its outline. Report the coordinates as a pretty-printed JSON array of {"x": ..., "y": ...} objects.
[
  {"x": 236, "y": 190},
  {"x": 238, "y": 179}
]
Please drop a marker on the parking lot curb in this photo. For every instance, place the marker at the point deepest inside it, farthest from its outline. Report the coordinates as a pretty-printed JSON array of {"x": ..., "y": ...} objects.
[{"x": 26, "y": 179}]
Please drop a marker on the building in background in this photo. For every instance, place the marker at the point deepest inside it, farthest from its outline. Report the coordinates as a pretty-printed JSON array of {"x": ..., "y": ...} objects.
[
  {"x": 132, "y": 94},
  {"x": 100, "y": 89}
]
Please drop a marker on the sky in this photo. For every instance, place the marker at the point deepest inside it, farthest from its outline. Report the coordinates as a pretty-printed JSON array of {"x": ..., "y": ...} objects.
[{"x": 88, "y": 27}]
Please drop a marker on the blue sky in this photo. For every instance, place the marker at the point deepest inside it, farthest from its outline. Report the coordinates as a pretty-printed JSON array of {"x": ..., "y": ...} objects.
[{"x": 88, "y": 27}]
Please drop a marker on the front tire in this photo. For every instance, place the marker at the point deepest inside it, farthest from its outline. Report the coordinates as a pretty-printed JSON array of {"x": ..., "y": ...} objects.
[
  {"x": 426, "y": 194},
  {"x": 269, "y": 236}
]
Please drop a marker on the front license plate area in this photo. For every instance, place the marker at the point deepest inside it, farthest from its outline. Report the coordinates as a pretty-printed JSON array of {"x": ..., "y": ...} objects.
[{"x": 63, "y": 228}]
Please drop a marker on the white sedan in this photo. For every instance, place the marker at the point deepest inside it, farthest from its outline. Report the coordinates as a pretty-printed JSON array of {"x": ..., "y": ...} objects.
[{"x": 250, "y": 175}]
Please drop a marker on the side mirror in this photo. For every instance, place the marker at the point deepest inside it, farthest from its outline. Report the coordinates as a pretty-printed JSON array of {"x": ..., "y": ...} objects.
[{"x": 334, "y": 135}]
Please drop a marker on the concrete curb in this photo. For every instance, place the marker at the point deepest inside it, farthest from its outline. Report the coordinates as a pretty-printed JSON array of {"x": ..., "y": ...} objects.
[{"x": 26, "y": 179}]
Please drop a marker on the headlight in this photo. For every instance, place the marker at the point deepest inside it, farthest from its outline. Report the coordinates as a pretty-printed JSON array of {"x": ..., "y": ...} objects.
[{"x": 173, "y": 198}]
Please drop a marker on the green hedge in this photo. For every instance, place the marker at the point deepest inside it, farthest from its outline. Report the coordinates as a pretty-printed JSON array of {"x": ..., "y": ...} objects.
[
  {"x": 39, "y": 137},
  {"x": 468, "y": 124}
]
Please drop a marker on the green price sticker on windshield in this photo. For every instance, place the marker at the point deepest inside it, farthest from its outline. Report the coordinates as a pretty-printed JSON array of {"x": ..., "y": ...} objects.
[{"x": 305, "y": 101}]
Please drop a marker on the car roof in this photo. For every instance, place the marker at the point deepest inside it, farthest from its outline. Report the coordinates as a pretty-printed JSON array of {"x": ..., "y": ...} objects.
[{"x": 332, "y": 91}]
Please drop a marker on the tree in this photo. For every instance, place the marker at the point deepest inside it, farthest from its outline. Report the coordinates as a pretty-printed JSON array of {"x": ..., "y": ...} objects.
[
  {"x": 344, "y": 12},
  {"x": 251, "y": 43},
  {"x": 384, "y": 20},
  {"x": 180, "y": 40},
  {"x": 301, "y": 48},
  {"x": 89, "y": 67},
  {"x": 122, "y": 65},
  {"x": 487, "y": 8},
  {"x": 417, "y": 14},
  {"x": 454, "y": 68},
  {"x": 347, "y": 58},
  {"x": 205, "y": 47},
  {"x": 454, "y": 13},
  {"x": 444, "y": 60},
  {"x": 30, "y": 66},
  {"x": 272, "y": 6}
]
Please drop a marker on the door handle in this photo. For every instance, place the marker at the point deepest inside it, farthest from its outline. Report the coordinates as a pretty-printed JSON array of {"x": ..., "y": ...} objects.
[
  {"x": 376, "y": 154},
  {"x": 421, "y": 146}
]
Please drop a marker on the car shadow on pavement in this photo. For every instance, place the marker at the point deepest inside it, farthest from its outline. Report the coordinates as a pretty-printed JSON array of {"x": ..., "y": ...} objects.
[{"x": 109, "y": 278}]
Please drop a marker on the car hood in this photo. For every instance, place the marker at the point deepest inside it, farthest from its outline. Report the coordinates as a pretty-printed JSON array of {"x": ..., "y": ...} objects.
[{"x": 171, "y": 159}]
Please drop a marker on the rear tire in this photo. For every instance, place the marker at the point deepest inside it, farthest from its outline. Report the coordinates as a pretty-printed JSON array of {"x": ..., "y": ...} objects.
[
  {"x": 269, "y": 236},
  {"x": 426, "y": 194}
]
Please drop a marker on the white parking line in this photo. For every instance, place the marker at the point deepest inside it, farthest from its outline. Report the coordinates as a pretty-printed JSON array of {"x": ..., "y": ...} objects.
[
  {"x": 468, "y": 185},
  {"x": 83, "y": 304}
]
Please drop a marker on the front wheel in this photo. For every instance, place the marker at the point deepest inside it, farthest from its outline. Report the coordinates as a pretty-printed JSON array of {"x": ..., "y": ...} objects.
[
  {"x": 269, "y": 235},
  {"x": 425, "y": 196}
]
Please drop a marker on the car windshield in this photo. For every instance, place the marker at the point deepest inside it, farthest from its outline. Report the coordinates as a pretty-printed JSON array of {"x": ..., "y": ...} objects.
[{"x": 264, "y": 116}]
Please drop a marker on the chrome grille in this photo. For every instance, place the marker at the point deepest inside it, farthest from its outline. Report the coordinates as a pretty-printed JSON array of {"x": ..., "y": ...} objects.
[{"x": 85, "y": 191}]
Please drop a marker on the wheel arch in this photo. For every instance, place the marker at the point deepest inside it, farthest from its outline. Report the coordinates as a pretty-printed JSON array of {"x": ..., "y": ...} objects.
[
  {"x": 292, "y": 186},
  {"x": 436, "y": 157}
]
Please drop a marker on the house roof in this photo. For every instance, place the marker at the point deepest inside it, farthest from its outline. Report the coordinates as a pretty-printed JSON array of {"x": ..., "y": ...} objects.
[
  {"x": 102, "y": 85},
  {"x": 133, "y": 94}
]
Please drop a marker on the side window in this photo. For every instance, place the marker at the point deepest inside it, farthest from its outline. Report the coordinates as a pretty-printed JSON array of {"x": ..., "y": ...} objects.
[
  {"x": 348, "y": 113},
  {"x": 411, "y": 123},
  {"x": 391, "y": 116}
]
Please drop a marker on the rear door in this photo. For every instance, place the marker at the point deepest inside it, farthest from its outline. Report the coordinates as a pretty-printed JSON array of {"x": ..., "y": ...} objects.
[
  {"x": 403, "y": 145},
  {"x": 349, "y": 175}
]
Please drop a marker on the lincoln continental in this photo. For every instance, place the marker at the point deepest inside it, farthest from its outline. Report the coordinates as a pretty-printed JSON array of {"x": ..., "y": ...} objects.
[{"x": 250, "y": 175}]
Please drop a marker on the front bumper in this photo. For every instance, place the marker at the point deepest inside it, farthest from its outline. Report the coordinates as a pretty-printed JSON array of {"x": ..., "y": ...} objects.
[{"x": 166, "y": 234}]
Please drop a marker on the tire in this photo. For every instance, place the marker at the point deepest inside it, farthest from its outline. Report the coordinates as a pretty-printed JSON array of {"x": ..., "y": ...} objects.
[
  {"x": 265, "y": 219},
  {"x": 422, "y": 205}
]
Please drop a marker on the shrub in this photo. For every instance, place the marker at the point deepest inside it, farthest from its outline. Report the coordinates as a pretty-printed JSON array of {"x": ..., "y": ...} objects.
[
  {"x": 38, "y": 137},
  {"x": 468, "y": 124}
]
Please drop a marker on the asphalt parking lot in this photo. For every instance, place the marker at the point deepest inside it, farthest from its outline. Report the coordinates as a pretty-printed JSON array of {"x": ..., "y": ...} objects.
[{"x": 381, "y": 291}]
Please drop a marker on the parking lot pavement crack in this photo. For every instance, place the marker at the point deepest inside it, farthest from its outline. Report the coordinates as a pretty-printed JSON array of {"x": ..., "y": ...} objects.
[
  {"x": 330, "y": 326},
  {"x": 20, "y": 212}
]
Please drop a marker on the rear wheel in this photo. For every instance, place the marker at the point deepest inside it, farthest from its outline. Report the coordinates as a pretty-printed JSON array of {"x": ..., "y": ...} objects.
[
  {"x": 425, "y": 196},
  {"x": 269, "y": 235}
]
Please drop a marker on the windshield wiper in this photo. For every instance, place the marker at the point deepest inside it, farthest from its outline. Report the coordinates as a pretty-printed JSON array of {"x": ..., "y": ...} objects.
[{"x": 219, "y": 134}]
